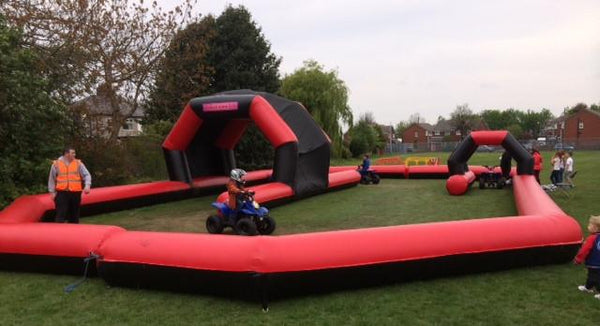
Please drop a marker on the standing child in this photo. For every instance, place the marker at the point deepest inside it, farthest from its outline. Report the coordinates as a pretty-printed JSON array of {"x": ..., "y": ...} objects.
[
  {"x": 569, "y": 167},
  {"x": 556, "y": 159},
  {"x": 537, "y": 164},
  {"x": 590, "y": 254}
]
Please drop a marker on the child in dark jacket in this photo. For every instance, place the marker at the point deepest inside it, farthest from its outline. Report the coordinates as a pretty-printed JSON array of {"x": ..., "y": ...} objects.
[{"x": 590, "y": 254}]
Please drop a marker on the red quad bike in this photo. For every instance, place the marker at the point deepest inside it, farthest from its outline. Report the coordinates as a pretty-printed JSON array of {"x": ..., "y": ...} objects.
[
  {"x": 491, "y": 178},
  {"x": 249, "y": 219}
]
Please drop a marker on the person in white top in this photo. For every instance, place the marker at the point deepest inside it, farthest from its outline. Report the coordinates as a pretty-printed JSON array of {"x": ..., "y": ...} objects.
[
  {"x": 555, "y": 176},
  {"x": 569, "y": 167}
]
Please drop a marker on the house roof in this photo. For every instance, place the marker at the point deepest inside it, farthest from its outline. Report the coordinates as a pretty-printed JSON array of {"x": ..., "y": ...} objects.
[
  {"x": 443, "y": 125},
  {"x": 100, "y": 105},
  {"x": 426, "y": 126}
]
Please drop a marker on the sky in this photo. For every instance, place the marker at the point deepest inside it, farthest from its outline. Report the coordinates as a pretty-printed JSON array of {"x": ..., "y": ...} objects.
[{"x": 401, "y": 57}]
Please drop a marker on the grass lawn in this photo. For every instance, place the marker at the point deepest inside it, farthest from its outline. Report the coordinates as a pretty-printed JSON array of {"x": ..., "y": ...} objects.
[{"x": 532, "y": 296}]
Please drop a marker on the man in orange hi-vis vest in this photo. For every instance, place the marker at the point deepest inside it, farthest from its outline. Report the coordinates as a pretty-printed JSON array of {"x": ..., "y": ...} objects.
[{"x": 67, "y": 175}]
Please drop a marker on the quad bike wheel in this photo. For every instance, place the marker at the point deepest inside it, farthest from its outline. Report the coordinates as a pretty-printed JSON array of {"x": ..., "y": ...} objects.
[
  {"x": 245, "y": 226},
  {"x": 214, "y": 224},
  {"x": 376, "y": 179},
  {"x": 266, "y": 226}
]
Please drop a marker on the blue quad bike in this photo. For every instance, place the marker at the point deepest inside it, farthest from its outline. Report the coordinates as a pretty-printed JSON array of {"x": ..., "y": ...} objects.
[
  {"x": 248, "y": 219},
  {"x": 368, "y": 177}
]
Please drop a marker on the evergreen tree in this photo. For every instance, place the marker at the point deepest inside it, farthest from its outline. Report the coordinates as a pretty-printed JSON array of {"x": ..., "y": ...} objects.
[{"x": 32, "y": 124}]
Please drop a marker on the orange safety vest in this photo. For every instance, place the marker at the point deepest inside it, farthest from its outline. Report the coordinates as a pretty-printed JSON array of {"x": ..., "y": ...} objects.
[{"x": 68, "y": 178}]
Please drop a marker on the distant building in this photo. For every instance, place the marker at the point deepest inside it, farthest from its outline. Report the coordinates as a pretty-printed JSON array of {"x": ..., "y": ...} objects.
[
  {"x": 418, "y": 134},
  {"x": 580, "y": 128},
  {"x": 96, "y": 114},
  {"x": 388, "y": 132},
  {"x": 435, "y": 138}
]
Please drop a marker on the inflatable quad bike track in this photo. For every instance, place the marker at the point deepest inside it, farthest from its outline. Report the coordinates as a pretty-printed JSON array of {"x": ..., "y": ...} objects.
[{"x": 199, "y": 154}]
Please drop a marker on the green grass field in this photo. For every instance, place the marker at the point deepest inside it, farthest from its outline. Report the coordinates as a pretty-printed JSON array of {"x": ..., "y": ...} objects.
[{"x": 531, "y": 296}]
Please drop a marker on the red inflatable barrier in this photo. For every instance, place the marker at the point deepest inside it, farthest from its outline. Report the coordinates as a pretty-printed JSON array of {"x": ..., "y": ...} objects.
[
  {"x": 459, "y": 184},
  {"x": 209, "y": 262}
]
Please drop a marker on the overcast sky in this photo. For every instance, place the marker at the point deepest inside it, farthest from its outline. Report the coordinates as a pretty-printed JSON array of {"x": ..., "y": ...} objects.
[{"x": 402, "y": 57}]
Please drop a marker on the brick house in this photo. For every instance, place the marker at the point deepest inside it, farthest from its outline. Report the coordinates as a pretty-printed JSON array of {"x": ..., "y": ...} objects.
[
  {"x": 418, "y": 135},
  {"x": 580, "y": 128},
  {"x": 435, "y": 138}
]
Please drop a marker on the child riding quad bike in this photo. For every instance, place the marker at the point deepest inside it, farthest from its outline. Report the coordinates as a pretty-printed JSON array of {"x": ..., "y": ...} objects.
[
  {"x": 242, "y": 213},
  {"x": 249, "y": 219},
  {"x": 491, "y": 178},
  {"x": 367, "y": 175}
]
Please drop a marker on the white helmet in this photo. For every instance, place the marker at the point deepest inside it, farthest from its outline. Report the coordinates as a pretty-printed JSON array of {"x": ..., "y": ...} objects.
[{"x": 238, "y": 175}]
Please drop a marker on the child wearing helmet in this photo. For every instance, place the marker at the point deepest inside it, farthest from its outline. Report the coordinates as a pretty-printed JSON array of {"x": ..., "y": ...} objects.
[{"x": 235, "y": 187}]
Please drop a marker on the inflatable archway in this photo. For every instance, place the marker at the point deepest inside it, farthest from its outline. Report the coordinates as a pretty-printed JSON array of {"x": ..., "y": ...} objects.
[
  {"x": 203, "y": 139},
  {"x": 461, "y": 177}
]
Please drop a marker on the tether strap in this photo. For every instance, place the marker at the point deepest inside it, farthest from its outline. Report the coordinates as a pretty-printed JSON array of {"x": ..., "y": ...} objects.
[{"x": 71, "y": 287}]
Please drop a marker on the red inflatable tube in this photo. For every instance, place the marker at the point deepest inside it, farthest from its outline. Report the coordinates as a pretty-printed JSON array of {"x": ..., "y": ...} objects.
[
  {"x": 50, "y": 239},
  {"x": 221, "y": 181},
  {"x": 270, "y": 123},
  {"x": 343, "y": 178},
  {"x": 319, "y": 251},
  {"x": 184, "y": 130},
  {"x": 30, "y": 209},
  {"x": 26, "y": 209},
  {"x": 530, "y": 199},
  {"x": 459, "y": 184},
  {"x": 489, "y": 137},
  {"x": 277, "y": 191},
  {"x": 265, "y": 193}
]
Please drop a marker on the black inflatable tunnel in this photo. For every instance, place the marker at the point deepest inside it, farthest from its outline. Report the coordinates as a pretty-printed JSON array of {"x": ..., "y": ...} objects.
[{"x": 204, "y": 138}]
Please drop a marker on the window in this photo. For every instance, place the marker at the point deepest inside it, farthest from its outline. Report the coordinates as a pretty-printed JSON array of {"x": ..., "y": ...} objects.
[
  {"x": 580, "y": 126},
  {"x": 437, "y": 133},
  {"x": 416, "y": 134}
]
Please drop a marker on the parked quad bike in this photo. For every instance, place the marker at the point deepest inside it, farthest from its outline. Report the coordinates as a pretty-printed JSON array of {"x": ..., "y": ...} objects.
[
  {"x": 491, "y": 179},
  {"x": 249, "y": 219}
]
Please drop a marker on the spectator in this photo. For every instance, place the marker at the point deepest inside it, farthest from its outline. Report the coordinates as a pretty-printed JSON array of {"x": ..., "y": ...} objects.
[
  {"x": 537, "y": 163},
  {"x": 556, "y": 159},
  {"x": 569, "y": 167},
  {"x": 561, "y": 167},
  {"x": 590, "y": 254}
]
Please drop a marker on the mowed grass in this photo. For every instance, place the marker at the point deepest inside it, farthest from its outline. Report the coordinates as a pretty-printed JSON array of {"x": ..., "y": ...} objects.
[{"x": 544, "y": 295}]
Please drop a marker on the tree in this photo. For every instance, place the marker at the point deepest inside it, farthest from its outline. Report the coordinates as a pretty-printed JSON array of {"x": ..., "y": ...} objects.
[
  {"x": 324, "y": 95},
  {"x": 213, "y": 55},
  {"x": 595, "y": 107},
  {"x": 401, "y": 127},
  {"x": 532, "y": 123},
  {"x": 416, "y": 118},
  {"x": 366, "y": 136},
  {"x": 241, "y": 55},
  {"x": 500, "y": 120},
  {"x": 463, "y": 119},
  {"x": 184, "y": 72},
  {"x": 32, "y": 124},
  {"x": 113, "y": 43}
]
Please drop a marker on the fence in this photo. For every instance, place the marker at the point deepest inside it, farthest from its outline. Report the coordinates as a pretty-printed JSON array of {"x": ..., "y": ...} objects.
[{"x": 550, "y": 145}]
